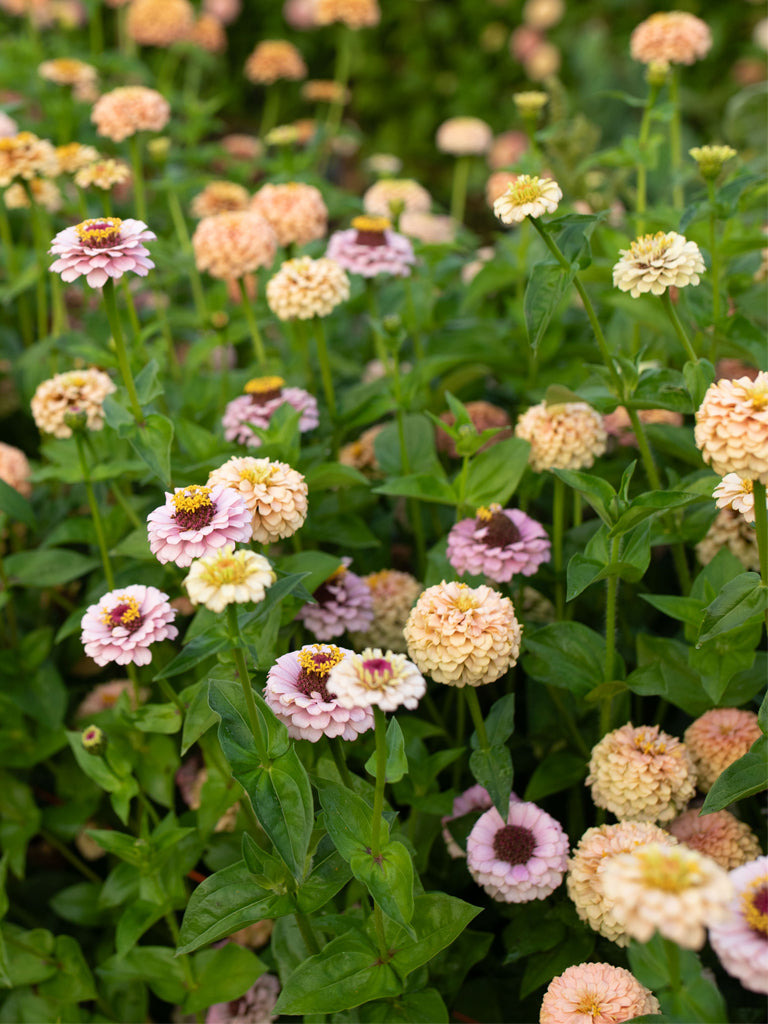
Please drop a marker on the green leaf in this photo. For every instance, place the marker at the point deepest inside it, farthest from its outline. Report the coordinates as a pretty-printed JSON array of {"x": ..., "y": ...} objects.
[
  {"x": 594, "y": 489},
  {"x": 558, "y": 771},
  {"x": 137, "y": 918},
  {"x": 328, "y": 475},
  {"x": 686, "y": 996},
  {"x": 73, "y": 982},
  {"x": 722, "y": 657},
  {"x": 19, "y": 821},
  {"x": 346, "y": 974},
  {"x": 547, "y": 285},
  {"x": 437, "y": 920},
  {"x": 222, "y": 975},
  {"x": 500, "y": 723},
  {"x": 148, "y": 384},
  {"x": 162, "y": 718},
  {"x": 566, "y": 654},
  {"x": 329, "y": 874},
  {"x": 494, "y": 474},
  {"x": 762, "y": 716},
  {"x": 48, "y": 568},
  {"x": 30, "y": 955},
  {"x": 685, "y": 609},
  {"x": 348, "y": 819},
  {"x": 121, "y": 789},
  {"x": 540, "y": 968},
  {"x": 154, "y": 965},
  {"x": 15, "y": 505},
  {"x": 419, "y": 485},
  {"x": 647, "y": 505},
  {"x": 388, "y": 878},
  {"x": 152, "y": 443},
  {"x": 419, "y": 444},
  {"x": 317, "y": 565},
  {"x": 198, "y": 718},
  {"x": 743, "y": 778},
  {"x": 397, "y": 762},
  {"x": 741, "y": 600},
  {"x": 698, "y": 376},
  {"x": 492, "y": 768}
]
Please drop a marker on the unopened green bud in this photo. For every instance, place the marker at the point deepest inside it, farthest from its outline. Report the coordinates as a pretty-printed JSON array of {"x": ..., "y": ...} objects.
[
  {"x": 711, "y": 159},
  {"x": 76, "y": 420},
  {"x": 94, "y": 741}
]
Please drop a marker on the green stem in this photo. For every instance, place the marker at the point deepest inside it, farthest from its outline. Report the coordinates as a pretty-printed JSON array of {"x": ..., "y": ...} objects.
[
  {"x": 413, "y": 506},
  {"x": 577, "y": 509},
  {"x": 9, "y": 606},
  {"x": 337, "y": 750},
  {"x": 133, "y": 316},
  {"x": 11, "y": 263},
  {"x": 411, "y": 320},
  {"x": 341, "y": 77},
  {"x": 672, "y": 959},
  {"x": 325, "y": 367},
  {"x": 110, "y": 300},
  {"x": 98, "y": 526},
  {"x": 461, "y": 720},
  {"x": 73, "y": 859},
  {"x": 761, "y": 529},
  {"x": 307, "y": 933},
  {"x": 139, "y": 194},
  {"x": 380, "y": 727},
  {"x": 124, "y": 504},
  {"x": 186, "y": 964},
  {"x": 675, "y": 140},
  {"x": 270, "y": 109},
  {"x": 459, "y": 188},
  {"x": 612, "y": 589},
  {"x": 182, "y": 234},
  {"x": 245, "y": 681},
  {"x": 41, "y": 244},
  {"x": 679, "y": 329},
  {"x": 558, "y": 532},
  {"x": 381, "y": 939},
  {"x": 461, "y": 508},
  {"x": 473, "y": 703},
  {"x": 565, "y": 716},
  {"x": 714, "y": 255},
  {"x": 170, "y": 694},
  {"x": 133, "y": 674},
  {"x": 96, "y": 30},
  {"x": 258, "y": 344},
  {"x": 642, "y": 172}
]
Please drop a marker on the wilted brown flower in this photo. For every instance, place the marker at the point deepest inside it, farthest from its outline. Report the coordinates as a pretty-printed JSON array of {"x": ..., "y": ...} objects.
[
  {"x": 360, "y": 454},
  {"x": 730, "y": 530},
  {"x": 73, "y": 391},
  {"x": 484, "y": 416}
]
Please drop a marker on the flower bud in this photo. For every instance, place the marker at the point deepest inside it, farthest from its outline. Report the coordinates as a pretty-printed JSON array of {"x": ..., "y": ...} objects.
[
  {"x": 94, "y": 741},
  {"x": 711, "y": 159}
]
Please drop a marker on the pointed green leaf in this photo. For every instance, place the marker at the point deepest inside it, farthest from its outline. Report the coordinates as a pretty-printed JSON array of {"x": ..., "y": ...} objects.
[{"x": 388, "y": 878}]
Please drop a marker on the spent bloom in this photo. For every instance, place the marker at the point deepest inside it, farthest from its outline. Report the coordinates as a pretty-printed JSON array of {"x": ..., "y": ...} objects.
[
  {"x": 563, "y": 436},
  {"x": 14, "y": 469},
  {"x": 195, "y": 521},
  {"x": 263, "y": 397},
  {"x": 370, "y": 247},
  {"x": 518, "y": 860},
  {"x": 641, "y": 774},
  {"x": 619, "y": 425},
  {"x": 675, "y": 37},
  {"x": 130, "y": 109},
  {"x": 720, "y": 835},
  {"x": 389, "y": 197},
  {"x": 596, "y": 994},
  {"x": 343, "y": 603},
  {"x": 231, "y": 245},
  {"x": 499, "y": 543},
  {"x": 718, "y": 738},
  {"x": 375, "y": 678},
  {"x": 25, "y": 156},
  {"x": 296, "y": 690},
  {"x": 527, "y": 197},
  {"x": 124, "y": 623},
  {"x": 306, "y": 287},
  {"x": 741, "y": 939},
  {"x": 463, "y": 636},
  {"x": 464, "y": 136},
  {"x": 736, "y": 493},
  {"x": 361, "y": 454},
  {"x": 219, "y": 197},
  {"x": 476, "y": 798},
  {"x": 275, "y": 494},
  {"x": 672, "y": 889},
  {"x": 355, "y": 14},
  {"x": 102, "y": 248},
  {"x": 228, "y": 577},
  {"x": 484, "y": 416},
  {"x": 654, "y": 263},
  {"x": 272, "y": 60},
  {"x": 71, "y": 392},
  {"x": 732, "y": 427},
  {"x": 730, "y": 530},
  {"x": 159, "y": 22},
  {"x": 297, "y": 212},
  {"x": 587, "y": 865},
  {"x": 393, "y": 594}
]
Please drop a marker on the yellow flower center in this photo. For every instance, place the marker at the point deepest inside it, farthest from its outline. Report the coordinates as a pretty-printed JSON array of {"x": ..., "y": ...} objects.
[
  {"x": 99, "y": 233},
  {"x": 486, "y": 514},
  {"x": 590, "y": 1005},
  {"x": 668, "y": 870},
  {"x": 67, "y": 66},
  {"x": 125, "y": 613},
  {"x": 754, "y": 904},
  {"x": 524, "y": 190},
  {"x": 319, "y": 660},
  {"x": 228, "y": 569},
  {"x": 746, "y": 487},
  {"x": 758, "y": 395},
  {"x": 191, "y": 499},
  {"x": 466, "y": 600},
  {"x": 259, "y": 474},
  {"x": 649, "y": 744},
  {"x": 364, "y": 223},
  {"x": 75, "y": 380},
  {"x": 260, "y": 385},
  {"x": 649, "y": 246}
]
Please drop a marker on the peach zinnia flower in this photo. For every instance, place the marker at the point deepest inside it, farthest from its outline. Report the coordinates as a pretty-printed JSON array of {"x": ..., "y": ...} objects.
[
  {"x": 73, "y": 391},
  {"x": 730, "y": 530},
  {"x": 14, "y": 469},
  {"x": 219, "y": 197},
  {"x": 26, "y": 156},
  {"x": 104, "y": 697},
  {"x": 69, "y": 71},
  {"x": 227, "y": 576},
  {"x": 732, "y": 427},
  {"x": 596, "y": 994},
  {"x": 564, "y": 436},
  {"x": 463, "y": 636},
  {"x": 159, "y": 22},
  {"x": 297, "y": 212},
  {"x": 721, "y": 836},
  {"x": 741, "y": 940},
  {"x": 619, "y": 425},
  {"x": 389, "y": 197},
  {"x": 394, "y": 594},
  {"x": 674, "y": 37},
  {"x": 670, "y": 889},
  {"x": 654, "y": 263},
  {"x": 275, "y": 494},
  {"x": 464, "y": 136},
  {"x": 231, "y": 245},
  {"x": 527, "y": 197},
  {"x": 274, "y": 59},
  {"x": 718, "y": 738},
  {"x": 585, "y": 871},
  {"x": 130, "y": 109},
  {"x": 354, "y": 14},
  {"x": 641, "y": 774},
  {"x": 103, "y": 174},
  {"x": 497, "y": 184},
  {"x": 208, "y": 33},
  {"x": 304, "y": 287}
]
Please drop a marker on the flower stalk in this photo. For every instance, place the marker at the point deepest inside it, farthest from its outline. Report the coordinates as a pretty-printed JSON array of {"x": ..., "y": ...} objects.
[
  {"x": 110, "y": 301},
  {"x": 98, "y": 526}
]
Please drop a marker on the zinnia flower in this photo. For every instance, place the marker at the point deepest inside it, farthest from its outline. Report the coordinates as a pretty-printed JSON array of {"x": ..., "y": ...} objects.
[
  {"x": 596, "y": 994},
  {"x": 225, "y": 11},
  {"x": 361, "y": 454},
  {"x": 104, "y": 697},
  {"x": 670, "y": 889},
  {"x": 374, "y": 678},
  {"x": 74, "y": 156},
  {"x": 476, "y": 798},
  {"x": 14, "y": 469},
  {"x": 44, "y": 192},
  {"x": 736, "y": 493},
  {"x": 497, "y": 185},
  {"x": 370, "y": 247},
  {"x": 195, "y": 521},
  {"x": 732, "y": 427},
  {"x": 73, "y": 391},
  {"x": 123, "y": 624},
  {"x": 304, "y": 287},
  {"x": 484, "y": 416},
  {"x": 130, "y": 109},
  {"x": 674, "y": 37},
  {"x": 219, "y": 197},
  {"x": 498, "y": 543},
  {"x": 741, "y": 940},
  {"x": 273, "y": 59},
  {"x": 464, "y": 136},
  {"x": 275, "y": 494},
  {"x": 428, "y": 228},
  {"x": 710, "y": 159},
  {"x": 159, "y": 22},
  {"x": 585, "y": 871},
  {"x": 101, "y": 249},
  {"x": 343, "y": 602},
  {"x": 389, "y": 197},
  {"x": 229, "y": 577},
  {"x": 564, "y": 436},
  {"x": 463, "y": 636},
  {"x": 718, "y": 738},
  {"x": 325, "y": 90},
  {"x": 69, "y": 71},
  {"x": 231, "y": 245},
  {"x": 730, "y": 530},
  {"x": 104, "y": 174},
  {"x": 297, "y": 212},
  {"x": 255, "y": 1007},
  {"x": 521, "y": 859},
  {"x": 296, "y": 690},
  {"x": 26, "y": 156},
  {"x": 354, "y": 14},
  {"x": 641, "y": 774},
  {"x": 393, "y": 594},
  {"x": 507, "y": 149},
  {"x": 527, "y": 197},
  {"x": 654, "y": 263},
  {"x": 263, "y": 397},
  {"x": 721, "y": 836}
]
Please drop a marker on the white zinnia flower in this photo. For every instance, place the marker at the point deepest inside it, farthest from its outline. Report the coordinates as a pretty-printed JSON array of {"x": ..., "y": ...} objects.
[
  {"x": 527, "y": 197},
  {"x": 387, "y": 680},
  {"x": 654, "y": 263},
  {"x": 229, "y": 577}
]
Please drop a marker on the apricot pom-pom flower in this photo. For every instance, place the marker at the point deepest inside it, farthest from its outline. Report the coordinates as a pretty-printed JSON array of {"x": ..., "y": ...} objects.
[
  {"x": 741, "y": 940},
  {"x": 124, "y": 623},
  {"x": 275, "y": 494},
  {"x": 231, "y": 245},
  {"x": 518, "y": 860},
  {"x": 159, "y": 22},
  {"x": 354, "y": 14},
  {"x": 730, "y": 530},
  {"x": 102, "y": 248},
  {"x": 596, "y": 994},
  {"x": 527, "y": 196},
  {"x": 26, "y": 156},
  {"x": 227, "y": 576},
  {"x": 499, "y": 543},
  {"x": 14, "y": 469},
  {"x": 464, "y": 136},
  {"x": 567, "y": 436},
  {"x": 732, "y": 427},
  {"x": 71, "y": 392},
  {"x": 219, "y": 197},
  {"x": 654, "y": 263},
  {"x": 196, "y": 521},
  {"x": 274, "y": 59},
  {"x": 674, "y": 37},
  {"x": 305, "y": 287},
  {"x": 720, "y": 835},
  {"x": 641, "y": 774},
  {"x": 375, "y": 678},
  {"x": 394, "y": 594},
  {"x": 130, "y": 109},
  {"x": 585, "y": 871},
  {"x": 297, "y": 212},
  {"x": 463, "y": 636},
  {"x": 718, "y": 738}
]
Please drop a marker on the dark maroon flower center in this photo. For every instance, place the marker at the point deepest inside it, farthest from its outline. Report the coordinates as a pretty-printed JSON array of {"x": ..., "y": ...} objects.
[
  {"x": 500, "y": 531},
  {"x": 124, "y": 615},
  {"x": 514, "y": 844},
  {"x": 760, "y": 900},
  {"x": 310, "y": 682},
  {"x": 195, "y": 519}
]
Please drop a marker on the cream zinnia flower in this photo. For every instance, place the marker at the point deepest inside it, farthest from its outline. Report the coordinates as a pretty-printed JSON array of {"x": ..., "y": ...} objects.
[
  {"x": 305, "y": 287},
  {"x": 275, "y": 494},
  {"x": 732, "y": 427},
  {"x": 229, "y": 577},
  {"x": 73, "y": 391},
  {"x": 736, "y": 493},
  {"x": 730, "y": 530},
  {"x": 654, "y": 263},
  {"x": 376, "y": 679},
  {"x": 562, "y": 436},
  {"x": 711, "y": 159},
  {"x": 527, "y": 197},
  {"x": 596, "y": 994}
]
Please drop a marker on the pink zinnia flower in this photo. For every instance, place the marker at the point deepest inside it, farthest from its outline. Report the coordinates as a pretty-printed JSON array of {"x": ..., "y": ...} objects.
[
  {"x": 125, "y": 622},
  {"x": 476, "y": 798},
  {"x": 102, "y": 248},
  {"x": 521, "y": 859},
  {"x": 344, "y": 602},
  {"x": 741, "y": 940},
  {"x": 596, "y": 994},
  {"x": 371, "y": 247},
  {"x": 296, "y": 692},
  {"x": 499, "y": 543},
  {"x": 196, "y": 521},
  {"x": 263, "y": 397}
]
